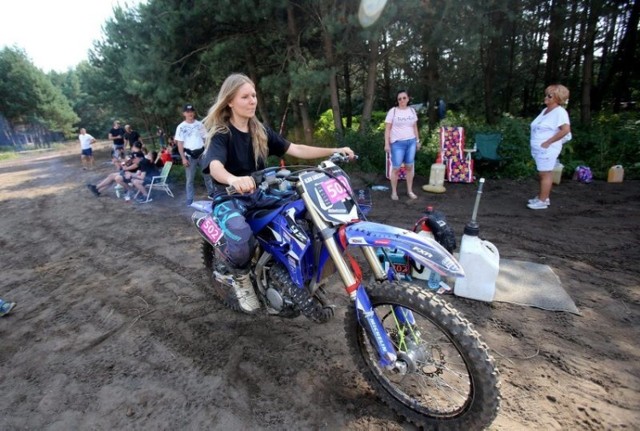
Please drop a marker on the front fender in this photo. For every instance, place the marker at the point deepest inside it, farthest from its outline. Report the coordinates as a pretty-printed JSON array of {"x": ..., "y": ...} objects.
[{"x": 423, "y": 250}]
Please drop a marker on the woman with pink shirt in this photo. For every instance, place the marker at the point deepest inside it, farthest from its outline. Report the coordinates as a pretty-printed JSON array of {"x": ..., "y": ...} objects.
[{"x": 401, "y": 141}]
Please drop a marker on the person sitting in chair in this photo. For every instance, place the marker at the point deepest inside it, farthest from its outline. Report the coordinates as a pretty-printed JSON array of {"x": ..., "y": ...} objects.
[
  {"x": 123, "y": 176},
  {"x": 146, "y": 171}
]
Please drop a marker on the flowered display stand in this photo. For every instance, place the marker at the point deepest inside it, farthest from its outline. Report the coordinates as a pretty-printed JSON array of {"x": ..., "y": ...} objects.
[{"x": 459, "y": 166}]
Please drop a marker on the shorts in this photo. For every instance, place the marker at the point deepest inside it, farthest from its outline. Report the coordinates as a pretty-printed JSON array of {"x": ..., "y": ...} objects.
[
  {"x": 545, "y": 158},
  {"x": 86, "y": 152},
  {"x": 147, "y": 180},
  {"x": 126, "y": 180},
  {"x": 118, "y": 151},
  {"x": 403, "y": 152}
]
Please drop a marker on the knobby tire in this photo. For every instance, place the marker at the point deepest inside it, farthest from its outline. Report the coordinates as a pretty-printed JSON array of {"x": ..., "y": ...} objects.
[{"x": 453, "y": 385}]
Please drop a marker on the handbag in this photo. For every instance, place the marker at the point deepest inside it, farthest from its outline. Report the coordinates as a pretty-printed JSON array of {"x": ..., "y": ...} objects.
[{"x": 194, "y": 153}]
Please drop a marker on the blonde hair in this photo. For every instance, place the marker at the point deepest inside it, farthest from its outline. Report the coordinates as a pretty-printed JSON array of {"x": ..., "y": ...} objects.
[
  {"x": 219, "y": 116},
  {"x": 559, "y": 92}
]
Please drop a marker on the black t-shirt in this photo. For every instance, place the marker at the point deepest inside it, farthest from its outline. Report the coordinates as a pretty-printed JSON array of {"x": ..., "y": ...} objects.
[
  {"x": 117, "y": 132},
  {"x": 147, "y": 166},
  {"x": 235, "y": 151},
  {"x": 132, "y": 137}
]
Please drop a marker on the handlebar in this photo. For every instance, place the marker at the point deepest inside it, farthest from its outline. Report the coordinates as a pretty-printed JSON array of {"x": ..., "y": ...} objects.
[
  {"x": 267, "y": 177},
  {"x": 342, "y": 158}
]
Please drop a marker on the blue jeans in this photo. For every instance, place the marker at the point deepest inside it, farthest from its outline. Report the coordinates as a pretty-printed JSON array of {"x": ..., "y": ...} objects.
[
  {"x": 403, "y": 152},
  {"x": 191, "y": 175}
]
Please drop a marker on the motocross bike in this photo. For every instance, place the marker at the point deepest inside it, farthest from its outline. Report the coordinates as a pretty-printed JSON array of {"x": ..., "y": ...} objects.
[{"x": 419, "y": 354}]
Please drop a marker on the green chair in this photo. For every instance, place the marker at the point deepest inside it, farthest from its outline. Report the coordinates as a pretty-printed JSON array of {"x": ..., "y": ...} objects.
[
  {"x": 486, "y": 146},
  {"x": 158, "y": 182}
]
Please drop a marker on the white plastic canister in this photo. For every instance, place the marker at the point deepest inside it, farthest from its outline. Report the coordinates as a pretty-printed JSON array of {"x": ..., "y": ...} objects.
[
  {"x": 480, "y": 260},
  {"x": 557, "y": 173},
  {"x": 436, "y": 175},
  {"x": 616, "y": 174}
]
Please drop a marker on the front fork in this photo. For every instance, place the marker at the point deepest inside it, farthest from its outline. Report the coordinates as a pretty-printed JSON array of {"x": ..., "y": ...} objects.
[{"x": 366, "y": 315}]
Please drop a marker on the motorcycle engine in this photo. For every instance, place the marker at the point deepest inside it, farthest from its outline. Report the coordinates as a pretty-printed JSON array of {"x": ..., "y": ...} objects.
[{"x": 280, "y": 300}]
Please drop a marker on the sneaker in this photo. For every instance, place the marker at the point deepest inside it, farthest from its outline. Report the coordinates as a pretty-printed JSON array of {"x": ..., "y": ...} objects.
[
  {"x": 546, "y": 201},
  {"x": 6, "y": 307},
  {"x": 127, "y": 197},
  {"x": 93, "y": 189},
  {"x": 538, "y": 205},
  {"x": 245, "y": 294},
  {"x": 142, "y": 200}
]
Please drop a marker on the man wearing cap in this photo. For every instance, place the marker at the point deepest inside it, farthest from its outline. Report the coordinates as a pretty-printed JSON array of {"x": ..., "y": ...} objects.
[{"x": 190, "y": 138}]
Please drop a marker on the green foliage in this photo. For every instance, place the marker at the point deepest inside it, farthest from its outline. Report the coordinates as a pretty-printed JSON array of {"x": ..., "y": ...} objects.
[
  {"x": 28, "y": 96},
  {"x": 177, "y": 175},
  {"x": 7, "y": 152},
  {"x": 163, "y": 53},
  {"x": 612, "y": 139},
  {"x": 369, "y": 147}
]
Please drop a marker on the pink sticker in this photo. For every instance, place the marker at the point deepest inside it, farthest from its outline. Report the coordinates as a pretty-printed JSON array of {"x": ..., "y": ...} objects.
[
  {"x": 335, "y": 190},
  {"x": 210, "y": 229}
]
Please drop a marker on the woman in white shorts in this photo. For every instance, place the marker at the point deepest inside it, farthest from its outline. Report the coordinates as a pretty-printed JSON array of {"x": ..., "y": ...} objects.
[{"x": 549, "y": 131}]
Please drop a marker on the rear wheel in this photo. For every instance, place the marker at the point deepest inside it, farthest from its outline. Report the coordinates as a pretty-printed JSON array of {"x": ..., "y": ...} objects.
[{"x": 446, "y": 378}]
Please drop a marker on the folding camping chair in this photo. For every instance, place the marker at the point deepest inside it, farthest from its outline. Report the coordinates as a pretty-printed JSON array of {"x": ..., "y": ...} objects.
[
  {"x": 487, "y": 145},
  {"x": 458, "y": 162},
  {"x": 158, "y": 182}
]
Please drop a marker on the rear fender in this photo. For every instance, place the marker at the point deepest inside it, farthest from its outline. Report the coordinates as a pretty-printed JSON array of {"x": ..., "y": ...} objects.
[{"x": 423, "y": 250}]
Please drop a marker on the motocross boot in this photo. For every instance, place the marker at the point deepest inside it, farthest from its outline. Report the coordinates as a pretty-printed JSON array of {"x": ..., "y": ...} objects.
[{"x": 243, "y": 289}]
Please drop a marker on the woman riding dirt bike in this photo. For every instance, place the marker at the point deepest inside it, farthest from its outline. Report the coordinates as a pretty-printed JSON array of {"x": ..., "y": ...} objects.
[
  {"x": 272, "y": 249},
  {"x": 419, "y": 354}
]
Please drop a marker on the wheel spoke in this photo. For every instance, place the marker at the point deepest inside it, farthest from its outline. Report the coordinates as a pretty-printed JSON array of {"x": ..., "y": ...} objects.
[
  {"x": 438, "y": 379},
  {"x": 444, "y": 376}
]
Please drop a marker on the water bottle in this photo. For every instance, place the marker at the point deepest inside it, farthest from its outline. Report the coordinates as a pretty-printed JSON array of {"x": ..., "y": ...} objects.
[
  {"x": 379, "y": 188},
  {"x": 434, "y": 281}
]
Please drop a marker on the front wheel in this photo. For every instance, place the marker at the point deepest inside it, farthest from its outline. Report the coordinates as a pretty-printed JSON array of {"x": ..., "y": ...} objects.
[{"x": 445, "y": 378}]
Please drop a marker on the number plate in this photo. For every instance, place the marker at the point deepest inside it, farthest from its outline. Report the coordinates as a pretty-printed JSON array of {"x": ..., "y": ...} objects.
[
  {"x": 210, "y": 229},
  {"x": 335, "y": 190}
]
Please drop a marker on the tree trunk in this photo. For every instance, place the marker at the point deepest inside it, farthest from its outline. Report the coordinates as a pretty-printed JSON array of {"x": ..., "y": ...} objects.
[
  {"x": 329, "y": 57},
  {"x": 554, "y": 48},
  {"x": 307, "y": 125},
  {"x": 294, "y": 48},
  {"x": 348, "y": 103},
  {"x": 432, "y": 77},
  {"x": 333, "y": 81},
  {"x": 625, "y": 58},
  {"x": 587, "y": 66},
  {"x": 490, "y": 54},
  {"x": 370, "y": 85}
]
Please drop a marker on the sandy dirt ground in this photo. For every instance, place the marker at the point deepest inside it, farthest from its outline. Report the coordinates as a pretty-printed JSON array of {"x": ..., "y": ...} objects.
[{"x": 116, "y": 327}]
